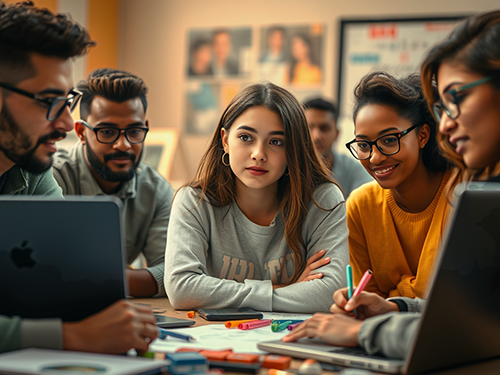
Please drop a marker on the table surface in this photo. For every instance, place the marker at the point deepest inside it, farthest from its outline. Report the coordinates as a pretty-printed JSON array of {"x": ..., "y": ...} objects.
[{"x": 162, "y": 306}]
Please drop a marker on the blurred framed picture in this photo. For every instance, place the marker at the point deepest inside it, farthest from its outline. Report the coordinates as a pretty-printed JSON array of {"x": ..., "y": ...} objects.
[{"x": 159, "y": 149}]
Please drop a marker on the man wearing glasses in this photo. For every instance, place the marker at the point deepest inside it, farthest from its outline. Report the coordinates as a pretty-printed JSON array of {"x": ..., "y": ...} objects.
[
  {"x": 107, "y": 160},
  {"x": 36, "y": 98}
]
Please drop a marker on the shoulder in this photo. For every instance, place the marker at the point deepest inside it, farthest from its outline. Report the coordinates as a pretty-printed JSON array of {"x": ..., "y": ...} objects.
[
  {"x": 149, "y": 177},
  {"x": 42, "y": 184},
  {"x": 327, "y": 196},
  {"x": 66, "y": 159},
  {"x": 368, "y": 194}
]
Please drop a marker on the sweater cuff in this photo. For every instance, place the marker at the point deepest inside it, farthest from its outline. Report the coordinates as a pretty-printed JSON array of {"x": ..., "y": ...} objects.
[
  {"x": 158, "y": 273},
  {"x": 41, "y": 333}
]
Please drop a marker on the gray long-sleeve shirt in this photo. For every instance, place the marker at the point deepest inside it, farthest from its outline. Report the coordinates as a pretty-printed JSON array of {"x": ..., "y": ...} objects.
[
  {"x": 146, "y": 202},
  {"x": 217, "y": 258},
  {"x": 392, "y": 335}
]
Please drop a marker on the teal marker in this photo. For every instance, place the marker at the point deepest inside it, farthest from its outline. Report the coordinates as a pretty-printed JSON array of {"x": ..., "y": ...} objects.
[{"x": 350, "y": 283}]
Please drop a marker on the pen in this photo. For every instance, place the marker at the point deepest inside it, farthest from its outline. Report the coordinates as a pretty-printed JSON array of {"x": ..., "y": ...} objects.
[
  {"x": 257, "y": 324},
  {"x": 236, "y": 323},
  {"x": 163, "y": 333},
  {"x": 362, "y": 284}
]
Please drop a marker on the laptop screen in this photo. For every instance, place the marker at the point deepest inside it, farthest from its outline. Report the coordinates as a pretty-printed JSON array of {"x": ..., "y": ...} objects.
[{"x": 60, "y": 258}]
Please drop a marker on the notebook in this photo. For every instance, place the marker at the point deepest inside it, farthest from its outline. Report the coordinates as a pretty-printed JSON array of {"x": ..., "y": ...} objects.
[
  {"x": 60, "y": 258},
  {"x": 62, "y": 362},
  {"x": 461, "y": 321}
]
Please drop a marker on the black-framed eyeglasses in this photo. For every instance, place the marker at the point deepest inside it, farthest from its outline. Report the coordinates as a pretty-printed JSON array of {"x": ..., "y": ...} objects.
[
  {"x": 56, "y": 105},
  {"x": 388, "y": 144},
  {"x": 110, "y": 135},
  {"x": 449, "y": 101}
]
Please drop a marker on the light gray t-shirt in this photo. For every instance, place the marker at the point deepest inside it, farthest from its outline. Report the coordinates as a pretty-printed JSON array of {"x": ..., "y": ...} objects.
[
  {"x": 217, "y": 258},
  {"x": 349, "y": 173}
]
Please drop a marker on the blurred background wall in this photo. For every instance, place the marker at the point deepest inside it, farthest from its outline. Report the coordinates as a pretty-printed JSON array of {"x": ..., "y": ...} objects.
[{"x": 150, "y": 37}]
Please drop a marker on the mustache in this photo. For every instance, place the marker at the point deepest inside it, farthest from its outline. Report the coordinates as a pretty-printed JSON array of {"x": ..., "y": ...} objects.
[
  {"x": 119, "y": 154},
  {"x": 56, "y": 134}
]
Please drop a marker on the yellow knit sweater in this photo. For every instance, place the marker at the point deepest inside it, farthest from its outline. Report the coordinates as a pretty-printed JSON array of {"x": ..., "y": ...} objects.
[{"x": 399, "y": 247}]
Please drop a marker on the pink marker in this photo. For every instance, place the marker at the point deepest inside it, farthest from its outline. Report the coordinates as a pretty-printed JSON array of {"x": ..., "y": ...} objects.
[
  {"x": 292, "y": 326},
  {"x": 362, "y": 284},
  {"x": 257, "y": 324}
]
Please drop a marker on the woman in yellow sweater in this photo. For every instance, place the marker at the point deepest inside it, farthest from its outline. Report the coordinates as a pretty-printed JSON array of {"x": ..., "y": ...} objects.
[{"x": 395, "y": 222}]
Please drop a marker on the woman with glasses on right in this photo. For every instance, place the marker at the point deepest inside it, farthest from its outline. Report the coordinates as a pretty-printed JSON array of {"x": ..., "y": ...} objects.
[
  {"x": 466, "y": 68},
  {"x": 395, "y": 222}
]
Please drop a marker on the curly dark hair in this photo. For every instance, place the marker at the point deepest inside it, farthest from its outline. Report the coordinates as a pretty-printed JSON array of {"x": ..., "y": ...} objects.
[
  {"x": 406, "y": 97},
  {"x": 26, "y": 29},
  {"x": 114, "y": 85}
]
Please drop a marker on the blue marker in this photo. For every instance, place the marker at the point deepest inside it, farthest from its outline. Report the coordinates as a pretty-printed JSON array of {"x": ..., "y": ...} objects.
[{"x": 163, "y": 334}]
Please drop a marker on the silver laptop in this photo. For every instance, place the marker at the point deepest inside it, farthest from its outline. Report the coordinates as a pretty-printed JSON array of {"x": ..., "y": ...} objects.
[
  {"x": 461, "y": 321},
  {"x": 60, "y": 258}
]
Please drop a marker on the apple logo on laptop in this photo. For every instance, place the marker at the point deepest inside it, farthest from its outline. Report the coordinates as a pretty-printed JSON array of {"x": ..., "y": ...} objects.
[{"x": 21, "y": 256}]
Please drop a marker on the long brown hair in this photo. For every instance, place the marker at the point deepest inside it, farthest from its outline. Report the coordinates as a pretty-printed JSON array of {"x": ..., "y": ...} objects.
[
  {"x": 475, "y": 44},
  {"x": 306, "y": 169}
]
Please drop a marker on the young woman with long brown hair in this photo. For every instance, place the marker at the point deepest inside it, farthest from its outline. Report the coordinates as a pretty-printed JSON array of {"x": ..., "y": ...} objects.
[{"x": 260, "y": 216}]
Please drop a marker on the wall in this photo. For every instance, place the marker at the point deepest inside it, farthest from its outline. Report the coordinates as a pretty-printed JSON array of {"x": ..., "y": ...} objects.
[{"x": 153, "y": 33}]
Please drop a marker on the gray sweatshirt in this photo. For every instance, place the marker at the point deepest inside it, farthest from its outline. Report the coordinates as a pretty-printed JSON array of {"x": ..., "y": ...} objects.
[
  {"x": 392, "y": 335},
  {"x": 217, "y": 258}
]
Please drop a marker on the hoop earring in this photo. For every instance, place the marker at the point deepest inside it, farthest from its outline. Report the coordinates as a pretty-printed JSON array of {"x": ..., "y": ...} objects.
[
  {"x": 287, "y": 173},
  {"x": 226, "y": 164}
]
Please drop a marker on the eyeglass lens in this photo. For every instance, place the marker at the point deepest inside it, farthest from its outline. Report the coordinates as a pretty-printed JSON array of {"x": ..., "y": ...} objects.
[
  {"x": 448, "y": 105},
  {"x": 59, "y": 104},
  {"x": 110, "y": 135},
  {"x": 387, "y": 145}
]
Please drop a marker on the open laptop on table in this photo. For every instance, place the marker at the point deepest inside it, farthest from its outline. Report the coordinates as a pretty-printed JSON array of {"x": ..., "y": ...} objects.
[
  {"x": 461, "y": 321},
  {"x": 60, "y": 258}
]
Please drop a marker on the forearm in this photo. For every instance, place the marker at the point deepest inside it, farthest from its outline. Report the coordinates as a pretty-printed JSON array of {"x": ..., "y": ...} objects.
[
  {"x": 310, "y": 296},
  {"x": 141, "y": 283},
  {"x": 390, "y": 335},
  {"x": 189, "y": 290}
]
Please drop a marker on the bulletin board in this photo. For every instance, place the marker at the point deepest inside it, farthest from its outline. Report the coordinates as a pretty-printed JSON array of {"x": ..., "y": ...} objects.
[{"x": 397, "y": 46}]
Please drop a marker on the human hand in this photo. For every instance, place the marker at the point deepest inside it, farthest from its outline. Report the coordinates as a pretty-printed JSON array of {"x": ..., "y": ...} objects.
[
  {"x": 116, "y": 329},
  {"x": 366, "y": 304},
  {"x": 312, "y": 264},
  {"x": 335, "y": 329}
]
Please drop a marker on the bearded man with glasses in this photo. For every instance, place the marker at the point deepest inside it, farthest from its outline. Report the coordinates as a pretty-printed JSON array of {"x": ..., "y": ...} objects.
[
  {"x": 36, "y": 98},
  {"x": 107, "y": 160}
]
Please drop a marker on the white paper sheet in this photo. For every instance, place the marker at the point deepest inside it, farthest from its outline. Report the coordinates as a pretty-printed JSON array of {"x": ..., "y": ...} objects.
[{"x": 218, "y": 337}]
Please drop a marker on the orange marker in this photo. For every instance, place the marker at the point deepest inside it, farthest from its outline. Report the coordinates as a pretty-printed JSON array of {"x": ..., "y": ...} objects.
[
  {"x": 190, "y": 314},
  {"x": 236, "y": 323}
]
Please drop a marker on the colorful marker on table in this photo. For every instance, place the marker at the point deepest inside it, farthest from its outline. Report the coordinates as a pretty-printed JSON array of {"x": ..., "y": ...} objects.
[
  {"x": 236, "y": 323},
  {"x": 163, "y": 334},
  {"x": 281, "y": 325},
  {"x": 292, "y": 326},
  {"x": 257, "y": 324}
]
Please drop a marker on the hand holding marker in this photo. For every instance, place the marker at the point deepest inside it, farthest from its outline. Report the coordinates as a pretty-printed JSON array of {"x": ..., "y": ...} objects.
[{"x": 362, "y": 284}]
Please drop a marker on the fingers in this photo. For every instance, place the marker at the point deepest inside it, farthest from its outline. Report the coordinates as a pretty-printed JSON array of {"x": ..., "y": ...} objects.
[
  {"x": 319, "y": 263},
  {"x": 313, "y": 276},
  {"x": 315, "y": 257}
]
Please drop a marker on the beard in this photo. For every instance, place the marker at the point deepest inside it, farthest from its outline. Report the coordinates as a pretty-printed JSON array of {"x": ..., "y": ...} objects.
[
  {"x": 105, "y": 172},
  {"x": 16, "y": 144}
]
